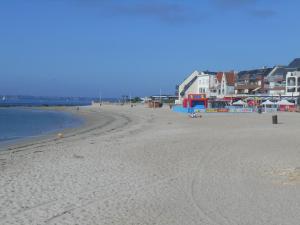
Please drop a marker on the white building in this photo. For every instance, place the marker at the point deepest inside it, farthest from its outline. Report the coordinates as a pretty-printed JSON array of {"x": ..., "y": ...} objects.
[
  {"x": 226, "y": 81},
  {"x": 198, "y": 83},
  {"x": 293, "y": 83}
]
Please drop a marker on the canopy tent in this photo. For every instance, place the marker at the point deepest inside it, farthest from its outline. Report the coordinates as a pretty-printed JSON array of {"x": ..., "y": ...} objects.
[
  {"x": 269, "y": 106},
  {"x": 240, "y": 102},
  {"x": 268, "y": 102},
  {"x": 284, "y": 102}
]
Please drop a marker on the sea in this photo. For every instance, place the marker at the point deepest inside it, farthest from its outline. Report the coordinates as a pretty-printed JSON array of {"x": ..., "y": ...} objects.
[
  {"x": 20, "y": 118},
  {"x": 9, "y": 101}
]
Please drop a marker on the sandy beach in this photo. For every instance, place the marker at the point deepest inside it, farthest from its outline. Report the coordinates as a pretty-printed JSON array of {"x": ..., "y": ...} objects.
[{"x": 153, "y": 166}]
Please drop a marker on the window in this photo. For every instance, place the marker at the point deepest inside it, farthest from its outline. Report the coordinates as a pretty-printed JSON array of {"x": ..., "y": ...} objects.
[
  {"x": 291, "y": 81},
  {"x": 201, "y": 90},
  {"x": 291, "y": 89},
  {"x": 298, "y": 81}
]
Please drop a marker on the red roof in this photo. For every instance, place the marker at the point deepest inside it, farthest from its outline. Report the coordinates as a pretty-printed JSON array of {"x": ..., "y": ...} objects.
[
  {"x": 219, "y": 76},
  {"x": 230, "y": 77}
]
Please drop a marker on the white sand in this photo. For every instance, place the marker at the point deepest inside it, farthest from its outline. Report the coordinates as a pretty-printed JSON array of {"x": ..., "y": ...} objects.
[{"x": 145, "y": 166}]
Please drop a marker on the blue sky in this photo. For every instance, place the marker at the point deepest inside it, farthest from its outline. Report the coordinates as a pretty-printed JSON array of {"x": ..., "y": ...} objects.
[{"x": 82, "y": 47}]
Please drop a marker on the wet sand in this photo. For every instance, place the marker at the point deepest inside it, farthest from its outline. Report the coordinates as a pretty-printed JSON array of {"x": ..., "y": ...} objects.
[{"x": 152, "y": 166}]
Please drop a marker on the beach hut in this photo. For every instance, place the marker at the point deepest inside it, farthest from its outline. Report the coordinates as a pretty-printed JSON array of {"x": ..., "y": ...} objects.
[
  {"x": 286, "y": 106},
  {"x": 239, "y": 103}
]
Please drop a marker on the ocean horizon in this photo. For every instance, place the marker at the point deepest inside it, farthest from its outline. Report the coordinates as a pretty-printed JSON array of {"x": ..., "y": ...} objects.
[{"x": 20, "y": 100}]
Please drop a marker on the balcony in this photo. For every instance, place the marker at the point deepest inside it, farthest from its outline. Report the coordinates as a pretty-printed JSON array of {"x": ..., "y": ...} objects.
[{"x": 246, "y": 86}]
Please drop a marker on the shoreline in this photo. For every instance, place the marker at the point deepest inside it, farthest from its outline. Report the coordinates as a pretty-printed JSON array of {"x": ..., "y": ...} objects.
[
  {"x": 48, "y": 135},
  {"x": 89, "y": 114}
]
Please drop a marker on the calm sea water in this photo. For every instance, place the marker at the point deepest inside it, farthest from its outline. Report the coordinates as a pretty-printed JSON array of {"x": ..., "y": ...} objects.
[{"x": 21, "y": 123}]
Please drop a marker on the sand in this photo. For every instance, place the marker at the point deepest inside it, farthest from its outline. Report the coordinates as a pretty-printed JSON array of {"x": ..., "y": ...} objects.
[{"x": 152, "y": 166}]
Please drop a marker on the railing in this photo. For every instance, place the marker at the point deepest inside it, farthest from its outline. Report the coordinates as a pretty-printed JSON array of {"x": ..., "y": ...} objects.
[{"x": 247, "y": 86}]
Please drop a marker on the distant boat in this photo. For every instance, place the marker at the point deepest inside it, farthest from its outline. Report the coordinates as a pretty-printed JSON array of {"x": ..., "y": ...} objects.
[{"x": 3, "y": 98}]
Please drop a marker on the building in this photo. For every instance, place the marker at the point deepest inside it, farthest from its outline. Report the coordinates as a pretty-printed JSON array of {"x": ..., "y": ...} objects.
[
  {"x": 164, "y": 98},
  {"x": 293, "y": 83},
  {"x": 225, "y": 83},
  {"x": 276, "y": 79},
  {"x": 198, "y": 83},
  {"x": 252, "y": 81}
]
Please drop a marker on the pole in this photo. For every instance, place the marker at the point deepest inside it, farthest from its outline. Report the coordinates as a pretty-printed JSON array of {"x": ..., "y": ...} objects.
[
  {"x": 130, "y": 99},
  {"x": 100, "y": 98},
  {"x": 160, "y": 95}
]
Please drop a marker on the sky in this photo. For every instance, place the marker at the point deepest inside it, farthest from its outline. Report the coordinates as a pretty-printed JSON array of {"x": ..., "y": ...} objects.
[{"x": 137, "y": 48}]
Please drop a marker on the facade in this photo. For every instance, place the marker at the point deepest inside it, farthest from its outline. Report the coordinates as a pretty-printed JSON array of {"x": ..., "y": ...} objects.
[
  {"x": 293, "y": 83},
  {"x": 207, "y": 84},
  {"x": 252, "y": 81},
  {"x": 225, "y": 83},
  {"x": 198, "y": 83},
  {"x": 276, "y": 80}
]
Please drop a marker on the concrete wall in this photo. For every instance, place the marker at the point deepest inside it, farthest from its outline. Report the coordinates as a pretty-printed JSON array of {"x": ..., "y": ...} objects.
[
  {"x": 185, "y": 82},
  {"x": 293, "y": 83}
]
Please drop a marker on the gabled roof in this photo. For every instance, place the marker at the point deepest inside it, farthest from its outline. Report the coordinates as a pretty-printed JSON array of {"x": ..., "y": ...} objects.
[
  {"x": 219, "y": 76},
  {"x": 230, "y": 77},
  {"x": 295, "y": 63}
]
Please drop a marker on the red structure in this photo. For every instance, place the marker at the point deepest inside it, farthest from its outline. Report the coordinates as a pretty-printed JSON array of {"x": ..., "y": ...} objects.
[
  {"x": 195, "y": 100},
  {"x": 287, "y": 108}
]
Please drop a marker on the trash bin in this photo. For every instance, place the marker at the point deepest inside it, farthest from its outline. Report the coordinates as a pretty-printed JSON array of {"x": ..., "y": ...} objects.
[{"x": 274, "y": 119}]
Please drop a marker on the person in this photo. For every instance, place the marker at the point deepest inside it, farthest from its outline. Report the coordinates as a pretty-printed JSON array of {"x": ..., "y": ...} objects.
[
  {"x": 193, "y": 115},
  {"x": 259, "y": 109}
]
